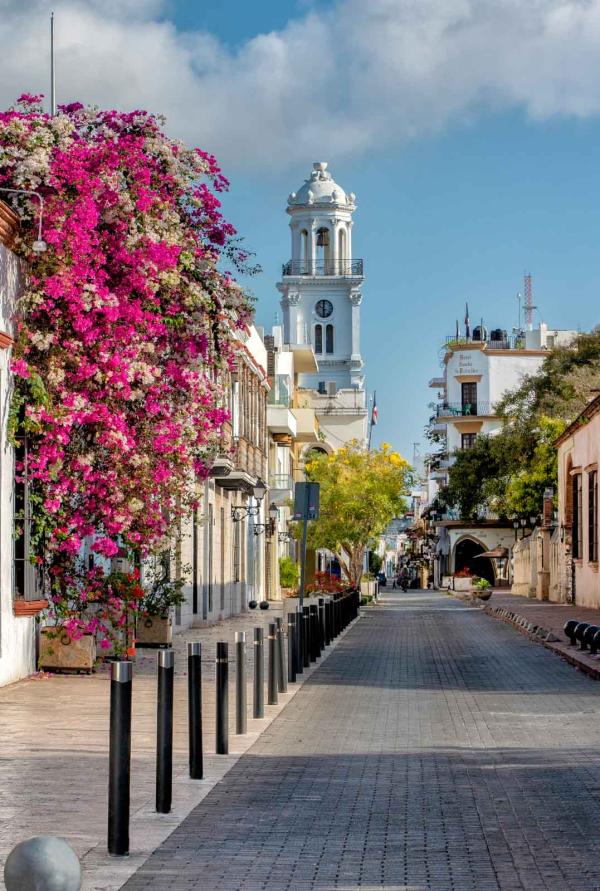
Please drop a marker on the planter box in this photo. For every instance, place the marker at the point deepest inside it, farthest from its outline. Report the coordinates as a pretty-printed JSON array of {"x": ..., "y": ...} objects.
[
  {"x": 58, "y": 652},
  {"x": 29, "y": 608},
  {"x": 482, "y": 595},
  {"x": 462, "y": 584},
  {"x": 154, "y": 631}
]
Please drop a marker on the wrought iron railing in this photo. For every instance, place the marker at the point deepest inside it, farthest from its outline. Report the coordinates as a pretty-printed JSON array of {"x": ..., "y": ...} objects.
[
  {"x": 463, "y": 409},
  {"x": 323, "y": 267},
  {"x": 505, "y": 342}
]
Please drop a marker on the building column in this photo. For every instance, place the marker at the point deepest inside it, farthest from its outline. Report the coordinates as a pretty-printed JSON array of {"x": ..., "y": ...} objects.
[{"x": 356, "y": 300}]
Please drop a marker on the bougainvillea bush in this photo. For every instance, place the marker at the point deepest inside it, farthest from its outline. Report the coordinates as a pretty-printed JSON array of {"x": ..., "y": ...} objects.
[{"x": 122, "y": 329}]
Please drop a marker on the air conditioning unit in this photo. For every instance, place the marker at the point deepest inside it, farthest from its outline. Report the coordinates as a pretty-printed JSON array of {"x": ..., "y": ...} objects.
[{"x": 331, "y": 388}]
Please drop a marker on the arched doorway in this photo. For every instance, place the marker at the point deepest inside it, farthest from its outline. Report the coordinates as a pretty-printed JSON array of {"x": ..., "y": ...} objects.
[{"x": 465, "y": 557}]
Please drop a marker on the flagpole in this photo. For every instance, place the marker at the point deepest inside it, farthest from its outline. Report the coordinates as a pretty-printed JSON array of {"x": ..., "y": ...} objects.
[
  {"x": 52, "y": 69},
  {"x": 371, "y": 424}
]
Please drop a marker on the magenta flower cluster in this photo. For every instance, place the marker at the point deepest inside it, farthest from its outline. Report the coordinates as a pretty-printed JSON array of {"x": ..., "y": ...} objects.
[{"x": 122, "y": 330}]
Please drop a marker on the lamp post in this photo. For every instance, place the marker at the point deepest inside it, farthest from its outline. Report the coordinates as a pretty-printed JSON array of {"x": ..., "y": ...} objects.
[
  {"x": 270, "y": 526},
  {"x": 515, "y": 527},
  {"x": 523, "y": 522},
  {"x": 39, "y": 245}
]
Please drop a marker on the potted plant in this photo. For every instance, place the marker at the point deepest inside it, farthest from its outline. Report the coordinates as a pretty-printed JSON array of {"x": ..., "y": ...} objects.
[
  {"x": 482, "y": 589},
  {"x": 462, "y": 580},
  {"x": 155, "y": 622}
]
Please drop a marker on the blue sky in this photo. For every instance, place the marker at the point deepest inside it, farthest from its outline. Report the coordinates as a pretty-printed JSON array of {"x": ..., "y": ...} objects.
[{"x": 468, "y": 129}]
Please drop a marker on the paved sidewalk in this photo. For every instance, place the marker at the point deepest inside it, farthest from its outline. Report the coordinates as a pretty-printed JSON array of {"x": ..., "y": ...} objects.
[
  {"x": 544, "y": 621},
  {"x": 54, "y": 744},
  {"x": 434, "y": 749}
]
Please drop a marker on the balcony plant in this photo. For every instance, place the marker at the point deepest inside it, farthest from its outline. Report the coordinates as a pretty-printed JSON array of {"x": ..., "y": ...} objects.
[
  {"x": 162, "y": 594},
  {"x": 125, "y": 323}
]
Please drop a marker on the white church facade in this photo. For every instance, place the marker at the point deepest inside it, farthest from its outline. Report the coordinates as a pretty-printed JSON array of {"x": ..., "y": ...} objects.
[{"x": 321, "y": 299}]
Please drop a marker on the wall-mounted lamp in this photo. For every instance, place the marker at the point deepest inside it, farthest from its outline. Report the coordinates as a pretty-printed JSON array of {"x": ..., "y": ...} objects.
[
  {"x": 270, "y": 526},
  {"x": 240, "y": 512},
  {"x": 39, "y": 245}
]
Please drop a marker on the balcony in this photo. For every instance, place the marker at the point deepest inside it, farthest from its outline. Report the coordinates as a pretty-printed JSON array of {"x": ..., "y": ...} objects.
[
  {"x": 239, "y": 467},
  {"x": 281, "y": 420},
  {"x": 307, "y": 425},
  {"x": 437, "y": 383},
  {"x": 466, "y": 410},
  {"x": 323, "y": 267},
  {"x": 281, "y": 487}
]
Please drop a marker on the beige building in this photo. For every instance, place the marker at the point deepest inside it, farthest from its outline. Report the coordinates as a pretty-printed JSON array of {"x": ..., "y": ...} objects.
[{"x": 578, "y": 509}]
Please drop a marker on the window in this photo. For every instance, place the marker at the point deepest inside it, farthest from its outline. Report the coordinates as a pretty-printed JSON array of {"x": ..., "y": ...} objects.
[
  {"x": 318, "y": 338},
  {"x": 577, "y": 516},
  {"x": 27, "y": 579},
  {"x": 329, "y": 339},
  {"x": 236, "y": 551},
  {"x": 467, "y": 440},
  {"x": 593, "y": 516},
  {"x": 469, "y": 399}
]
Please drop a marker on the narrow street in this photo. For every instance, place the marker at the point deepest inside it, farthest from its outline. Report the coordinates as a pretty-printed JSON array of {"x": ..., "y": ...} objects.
[{"x": 436, "y": 748}]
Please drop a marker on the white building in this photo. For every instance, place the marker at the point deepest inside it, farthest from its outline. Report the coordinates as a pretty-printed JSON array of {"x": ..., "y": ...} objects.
[
  {"x": 18, "y": 595},
  {"x": 477, "y": 372},
  {"x": 321, "y": 298}
]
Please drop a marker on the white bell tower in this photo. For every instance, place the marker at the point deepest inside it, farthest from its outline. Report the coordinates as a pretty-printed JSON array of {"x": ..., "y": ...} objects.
[{"x": 321, "y": 284}]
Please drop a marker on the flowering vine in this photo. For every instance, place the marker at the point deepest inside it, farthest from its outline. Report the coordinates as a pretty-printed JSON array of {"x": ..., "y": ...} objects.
[{"x": 121, "y": 331}]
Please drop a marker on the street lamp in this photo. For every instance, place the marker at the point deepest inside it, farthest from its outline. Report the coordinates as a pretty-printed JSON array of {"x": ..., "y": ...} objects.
[
  {"x": 523, "y": 524},
  {"x": 39, "y": 245},
  {"x": 515, "y": 527},
  {"x": 240, "y": 512}
]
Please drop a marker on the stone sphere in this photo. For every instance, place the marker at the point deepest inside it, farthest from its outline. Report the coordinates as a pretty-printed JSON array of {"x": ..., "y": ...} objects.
[
  {"x": 264, "y": 604},
  {"x": 43, "y": 862},
  {"x": 253, "y": 604}
]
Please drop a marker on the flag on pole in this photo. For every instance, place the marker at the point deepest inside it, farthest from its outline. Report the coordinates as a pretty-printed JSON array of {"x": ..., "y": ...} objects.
[
  {"x": 457, "y": 330},
  {"x": 467, "y": 322},
  {"x": 374, "y": 412}
]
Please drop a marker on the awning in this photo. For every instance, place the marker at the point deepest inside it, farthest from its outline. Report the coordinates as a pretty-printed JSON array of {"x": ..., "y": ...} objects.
[{"x": 495, "y": 554}]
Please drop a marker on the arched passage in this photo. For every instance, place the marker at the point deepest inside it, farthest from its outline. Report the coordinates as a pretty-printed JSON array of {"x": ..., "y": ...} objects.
[{"x": 465, "y": 557}]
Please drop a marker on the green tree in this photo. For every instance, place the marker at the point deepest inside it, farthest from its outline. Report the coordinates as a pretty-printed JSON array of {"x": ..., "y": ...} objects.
[{"x": 361, "y": 491}]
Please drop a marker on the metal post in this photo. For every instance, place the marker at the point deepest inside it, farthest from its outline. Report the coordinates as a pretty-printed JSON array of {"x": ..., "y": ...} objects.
[
  {"x": 327, "y": 620},
  {"x": 306, "y": 637},
  {"x": 314, "y": 634},
  {"x": 272, "y": 678},
  {"x": 119, "y": 757},
  {"x": 322, "y": 623},
  {"x": 292, "y": 646},
  {"x": 222, "y": 703},
  {"x": 164, "y": 732},
  {"x": 259, "y": 674},
  {"x": 299, "y": 641},
  {"x": 241, "y": 721},
  {"x": 195, "y": 710},
  {"x": 303, "y": 547},
  {"x": 281, "y": 672}
]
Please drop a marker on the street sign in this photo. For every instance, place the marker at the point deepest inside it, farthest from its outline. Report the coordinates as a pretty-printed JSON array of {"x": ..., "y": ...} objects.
[{"x": 306, "y": 501}]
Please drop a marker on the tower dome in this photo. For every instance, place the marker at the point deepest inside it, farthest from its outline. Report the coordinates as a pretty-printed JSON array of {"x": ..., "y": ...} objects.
[{"x": 320, "y": 188}]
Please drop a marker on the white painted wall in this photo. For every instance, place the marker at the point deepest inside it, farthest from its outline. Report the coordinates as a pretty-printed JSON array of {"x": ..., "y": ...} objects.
[{"x": 17, "y": 635}]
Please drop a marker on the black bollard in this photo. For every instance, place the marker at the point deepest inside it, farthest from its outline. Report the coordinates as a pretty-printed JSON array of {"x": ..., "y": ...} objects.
[
  {"x": 322, "y": 622},
  {"x": 164, "y": 732},
  {"x": 305, "y": 636},
  {"x": 195, "y": 710},
  {"x": 314, "y": 633},
  {"x": 292, "y": 643},
  {"x": 272, "y": 684},
  {"x": 299, "y": 642},
  {"x": 119, "y": 758},
  {"x": 241, "y": 722},
  {"x": 327, "y": 617},
  {"x": 222, "y": 702},
  {"x": 281, "y": 672},
  {"x": 259, "y": 674}
]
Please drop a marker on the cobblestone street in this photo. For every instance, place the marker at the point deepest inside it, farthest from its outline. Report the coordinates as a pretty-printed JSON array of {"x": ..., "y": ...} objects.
[{"x": 435, "y": 749}]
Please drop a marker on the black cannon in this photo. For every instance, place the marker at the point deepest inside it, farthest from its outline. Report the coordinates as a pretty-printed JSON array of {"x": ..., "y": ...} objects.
[
  {"x": 595, "y": 644},
  {"x": 569, "y": 630},
  {"x": 580, "y": 631}
]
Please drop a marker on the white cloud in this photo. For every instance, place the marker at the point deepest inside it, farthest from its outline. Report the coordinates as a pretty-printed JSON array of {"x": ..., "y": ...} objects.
[{"x": 353, "y": 79}]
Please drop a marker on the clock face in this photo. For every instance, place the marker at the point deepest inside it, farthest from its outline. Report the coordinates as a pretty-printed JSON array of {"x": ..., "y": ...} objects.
[{"x": 324, "y": 308}]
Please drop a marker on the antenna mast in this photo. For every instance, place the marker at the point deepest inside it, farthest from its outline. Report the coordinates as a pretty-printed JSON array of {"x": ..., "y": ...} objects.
[
  {"x": 528, "y": 303},
  {"x": 52, "y": 71}
]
